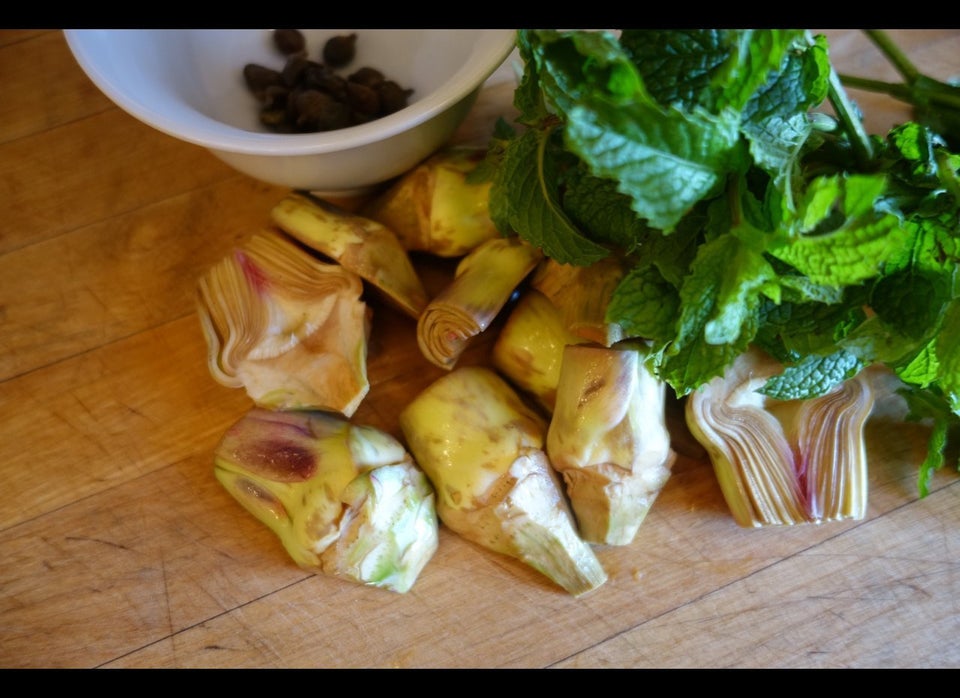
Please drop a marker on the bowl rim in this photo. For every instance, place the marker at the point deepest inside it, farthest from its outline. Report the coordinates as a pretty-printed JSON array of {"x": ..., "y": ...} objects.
[{"x": 217, "y": 135}]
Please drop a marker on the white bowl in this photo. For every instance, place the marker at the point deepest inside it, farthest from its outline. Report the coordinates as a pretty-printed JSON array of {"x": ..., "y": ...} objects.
[{"x": 189, "y": 84}]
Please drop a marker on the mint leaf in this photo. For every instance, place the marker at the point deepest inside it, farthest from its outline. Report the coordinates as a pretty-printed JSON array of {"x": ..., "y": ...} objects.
[
  {"x": 812, "y": 377},
  {"x": 524, "y": 198},
  {"x": 645, "y": 305},
  {"x": 665, "y": 161},
  {"x": 948, "y": 355},
  {"x": 841, "y": 239}
]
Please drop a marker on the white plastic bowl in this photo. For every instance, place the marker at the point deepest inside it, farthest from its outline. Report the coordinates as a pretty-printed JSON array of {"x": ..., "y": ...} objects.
[{"x": 189, "y": 84}]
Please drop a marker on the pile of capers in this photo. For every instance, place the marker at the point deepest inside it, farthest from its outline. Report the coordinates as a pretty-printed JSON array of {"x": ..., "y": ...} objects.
[{"x": 307, "y": 95}]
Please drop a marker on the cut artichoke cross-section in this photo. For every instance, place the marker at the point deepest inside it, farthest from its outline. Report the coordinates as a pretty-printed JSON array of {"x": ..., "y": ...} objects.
[
  {"x": 483, "y": 283},
  {"x": 783, "y": 462},
  {"x": 345, "y": 500},
  {"x": 290, "y": 329}
]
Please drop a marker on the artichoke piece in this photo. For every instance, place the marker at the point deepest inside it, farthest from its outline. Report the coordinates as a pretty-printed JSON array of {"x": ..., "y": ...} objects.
[
  {"x": 529, "y": 347},
  {"x": 364, "y": 246},
  {"x": 345, "y": 500},
  {"x": 608, "y": 437},
  {"x": 783, "y": 462},
  {"x": 483, "y": 282},
  {"x": 435, "y": 208},
  {"x": 482, "y": 449},
  {"x": 582, "y": 294},
  {"x": 288, "y": 328}
]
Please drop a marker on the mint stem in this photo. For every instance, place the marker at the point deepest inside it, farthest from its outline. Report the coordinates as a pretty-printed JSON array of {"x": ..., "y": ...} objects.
[
  {"x": 860, "y": 140},
  {"x": 893, "y": 53}
]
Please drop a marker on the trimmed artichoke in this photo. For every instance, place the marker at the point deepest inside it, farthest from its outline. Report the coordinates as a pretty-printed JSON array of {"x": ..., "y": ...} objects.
[
  {"x": 529, "y": 348},
  {"x": 608, "y": 437},
  {"x": 288, "y": 328},
  {"x": 581, "y": 294},
  {"x": 482, "y": 449},
  {"x": 483, "y": 282},
  {"x": 345, "y": 500},
  {"x": 364, "y": 246},
  {"x": 435, "y": 208},
  {"x": 783, "y": 462}
]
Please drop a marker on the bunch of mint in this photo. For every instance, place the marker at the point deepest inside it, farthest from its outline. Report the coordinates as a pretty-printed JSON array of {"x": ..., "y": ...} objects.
[{"x": 746, "y": 215}]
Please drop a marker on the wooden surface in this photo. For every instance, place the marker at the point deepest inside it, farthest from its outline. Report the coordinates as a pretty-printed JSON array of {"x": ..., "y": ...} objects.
[{"x": 119, "y": 548}]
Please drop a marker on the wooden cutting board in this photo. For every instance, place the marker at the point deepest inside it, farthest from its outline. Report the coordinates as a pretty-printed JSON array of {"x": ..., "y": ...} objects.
[{"x": 121, "y": 550}]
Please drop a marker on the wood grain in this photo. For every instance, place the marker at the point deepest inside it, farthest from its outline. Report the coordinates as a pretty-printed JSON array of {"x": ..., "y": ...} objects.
[{"x": 120, "y": 549}]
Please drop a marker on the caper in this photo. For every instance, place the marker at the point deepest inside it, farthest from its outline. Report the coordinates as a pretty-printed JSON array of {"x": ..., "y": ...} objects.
[
  {"x": 366, "y": 76},
  {"x": 362, "y": 100},
  {"x": 318, "y": 111},
  {"x": 306, "y": 95},
  {"x": 259, "y": 78},
  {"x": 392, "y": 97},
  {"x": 338, "y": 51},
  {"x": 293, "y": 68},
  {"x": 289, "y": 41}
]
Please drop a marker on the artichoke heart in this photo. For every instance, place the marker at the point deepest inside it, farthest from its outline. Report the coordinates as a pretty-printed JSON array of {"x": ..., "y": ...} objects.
[
  {"x": 608, "y": 437},
  {"x": 288, "y": 328},
  {"x": 482, "y": 449},
  {"x": 483, "y": 282},
  {"x": 581, "y": 293},
  {"x": 345, "y": 500},
  {"x": 364, "y": 246},
  {"x": 783, "y": 462},
  {"x": 529, "y": 347},
  {"x": 435, "y": 207}
]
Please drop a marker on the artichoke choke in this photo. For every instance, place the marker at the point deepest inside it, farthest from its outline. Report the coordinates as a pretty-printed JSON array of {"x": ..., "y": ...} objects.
[
  {"x": 365, "y": 247},
  {"x": 290, "y": 329},
  {"x": 483, "y": 450},
  {"x": 783, "y": 462},
  {"x": 345, "y": 500},
  {"x": 434, "y": 208},
  {"x": 608, "y": 437},
  {"x": 483, "y": 282}
]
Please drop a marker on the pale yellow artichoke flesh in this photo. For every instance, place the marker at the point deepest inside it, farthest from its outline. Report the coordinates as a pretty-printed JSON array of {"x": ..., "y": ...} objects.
[
  {"x": 608, "y": 438},
  {"x": 345, "y": 500},
  {"x": 435, "y": 208},
  {"x": 529, "y": 347},
  {"x": 783, "y": 462},
  {"x": 290, "y": 329},
  {"x": 483, "y": 283},
  {"x": 359, "y": 244},
  {"x": 483, "y": 449},
  {"x": 582, "y": 293}
]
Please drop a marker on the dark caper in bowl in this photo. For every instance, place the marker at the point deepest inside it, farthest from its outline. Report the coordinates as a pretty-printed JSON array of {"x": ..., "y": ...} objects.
[
  {"x": 289, "y": 41},
  {"x": 338, "y": 51},
  {"x": 306, "y": 96}
]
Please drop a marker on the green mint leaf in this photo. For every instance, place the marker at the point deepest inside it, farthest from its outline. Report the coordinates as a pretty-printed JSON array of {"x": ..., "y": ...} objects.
[
  {"x": 597, "y": 207},
  {"x": 843, "y": 240},
  {"x": 754, "y": 57},
  {"x": 645, "y": 305},
  {"x": 948, "y": 355},
  {"x": 677, "y": 67},
  {"x": 666, "y": 162},
  {"x": 776, "y": 118},
  {"x": 524, "y": 198},
  {"x": 813, "y": 377},
  {"x": 930, "y": 404},
  {"x": 922, "y": 370},
  {"x": 711, "y": 330}
]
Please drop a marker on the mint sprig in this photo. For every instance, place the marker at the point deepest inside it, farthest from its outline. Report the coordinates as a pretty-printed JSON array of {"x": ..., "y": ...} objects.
[{"x": 746, "y": 213}]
